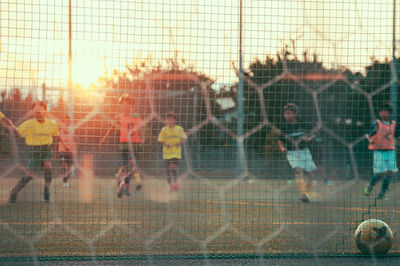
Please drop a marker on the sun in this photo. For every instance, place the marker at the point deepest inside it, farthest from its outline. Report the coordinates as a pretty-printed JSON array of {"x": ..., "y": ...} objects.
[{"x": 86, "y": 71}]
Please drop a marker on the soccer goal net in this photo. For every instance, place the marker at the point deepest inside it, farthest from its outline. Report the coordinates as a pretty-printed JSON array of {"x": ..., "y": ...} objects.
[{"x": 149, "y": 129}]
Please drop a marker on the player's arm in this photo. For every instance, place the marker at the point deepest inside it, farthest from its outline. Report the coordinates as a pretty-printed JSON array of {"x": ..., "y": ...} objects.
[
  {"x": 371, "y": 131},
  {"x": 162, "y": 138},
  {"x": 282, "y": 146},
  {"x": 7, "y": 123},
  {"x": 182, "y": 137}
]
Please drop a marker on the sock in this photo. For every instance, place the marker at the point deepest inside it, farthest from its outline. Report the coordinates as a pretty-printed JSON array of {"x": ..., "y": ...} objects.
[
  {"x": 169, "y": 175},
  {"x": 385, "y": 184},
  {"x": 375, "y": 178},
  {"x": 138, "y": 180},
  {"x": 300, "y": 183}
]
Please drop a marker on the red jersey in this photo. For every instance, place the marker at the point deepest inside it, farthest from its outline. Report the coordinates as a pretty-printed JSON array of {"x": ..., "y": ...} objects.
[
  {"x": 384, "y": 136},
  {"x": 129, "y": 129}
]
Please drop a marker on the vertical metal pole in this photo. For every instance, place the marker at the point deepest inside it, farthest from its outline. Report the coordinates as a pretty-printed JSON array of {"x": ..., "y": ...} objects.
[
  {"x": 393, "y": 95},
  {"x": 70, "y": 48},
  {"x": 240, "y": 111},
  {"x": 70, "y": 85}
]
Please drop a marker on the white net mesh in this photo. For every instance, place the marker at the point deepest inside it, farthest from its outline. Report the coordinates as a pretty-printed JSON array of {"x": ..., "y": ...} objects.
[{"x": 237, "y": 193}]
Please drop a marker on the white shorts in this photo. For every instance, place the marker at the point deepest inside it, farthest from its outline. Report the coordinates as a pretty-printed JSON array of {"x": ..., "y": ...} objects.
[
  {"x": 301, "y": 159},
  {"x": 384, "y": 161}
]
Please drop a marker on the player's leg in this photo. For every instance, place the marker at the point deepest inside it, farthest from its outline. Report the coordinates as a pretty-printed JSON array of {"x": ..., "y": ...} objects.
[
  {"x": 66, "y": 164},
  {"x": 391, "y": 167},
  {"x": 33, "y": 164},
  {"x": 133, "y": 162},
  {"x": 18, "y": 187},
  {"x": 47, "y": 179},
  {"x": 309, "y": 182},
  {"x": 124, "y": 175},
  {"x": 299, "y": 176},
  {"x": 169, "y": 173},
  {"x": 372, "y": 182},
  {"x": 385, "y": 184},
  {"x": 309, "y": 167},
  {"x": 379, "y": 171},
  {"x": 174, "y": 173}
]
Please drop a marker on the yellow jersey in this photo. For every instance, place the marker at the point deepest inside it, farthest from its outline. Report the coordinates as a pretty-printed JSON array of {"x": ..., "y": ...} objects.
[
  {"x": 36, "y": 133},
  {"x": 171, "y": 137}
]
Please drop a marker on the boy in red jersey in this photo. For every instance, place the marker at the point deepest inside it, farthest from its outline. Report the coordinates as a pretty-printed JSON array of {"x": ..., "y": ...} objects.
[
  {"x": 381, "y": 137},
  {"x": 131, "y": 142}
]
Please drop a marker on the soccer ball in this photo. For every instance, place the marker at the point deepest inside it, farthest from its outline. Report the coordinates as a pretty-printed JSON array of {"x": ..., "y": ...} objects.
[{"x": 374, "y": 237}]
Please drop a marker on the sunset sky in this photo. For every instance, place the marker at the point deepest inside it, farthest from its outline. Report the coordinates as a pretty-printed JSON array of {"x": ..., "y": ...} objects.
[{"x": 111, "y": 34}]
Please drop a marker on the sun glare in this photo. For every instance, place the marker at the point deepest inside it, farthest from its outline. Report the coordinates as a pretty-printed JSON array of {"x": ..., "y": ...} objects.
[{"x": 86, "y": 72}]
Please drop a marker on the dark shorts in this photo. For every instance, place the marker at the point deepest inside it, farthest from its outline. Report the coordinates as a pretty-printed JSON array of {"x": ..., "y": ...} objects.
[
  {"x": 127, "y": 155},
  {"x": 65, "y": 157},
  {"x": 170, "y": 161},
  {"x": 38, "y": 155}
]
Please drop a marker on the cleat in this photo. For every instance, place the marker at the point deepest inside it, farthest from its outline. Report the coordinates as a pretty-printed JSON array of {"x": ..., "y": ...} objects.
[
  {"x": 305, "y": 198},
  {"x": 329, "y": 182},
  {"x": 289, "y": 182},
  {"x": 66, "y": 185},
  {"x": 382, "y": 197},
  {"x": 13, "y": 199},
  {"x": 366, "y": 191},
  {"x": 126, "y": 191},
  {"x": 119, "y": 195},
  {"x": 138, "y": 187}
]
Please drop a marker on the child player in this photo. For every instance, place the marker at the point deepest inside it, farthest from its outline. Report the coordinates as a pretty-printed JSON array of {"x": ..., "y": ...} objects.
[
  {"x": 381, "y": 138},
  {"x": 130, "y": 141},
  {"x": 39, "y": 133},
  {"x": 294, "y": 142},
  {"x": 66, "y": 148},
  {"x": 172, "y": 136}
]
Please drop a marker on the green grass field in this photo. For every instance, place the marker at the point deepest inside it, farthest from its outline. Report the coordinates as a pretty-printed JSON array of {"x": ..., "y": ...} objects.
[{"x": 206, "y": 217}]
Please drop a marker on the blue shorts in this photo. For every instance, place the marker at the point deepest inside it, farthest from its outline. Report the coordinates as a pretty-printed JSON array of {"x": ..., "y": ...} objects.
[
  {"x": 301, "y": 159},
  {"x": 385, "y": 161}
]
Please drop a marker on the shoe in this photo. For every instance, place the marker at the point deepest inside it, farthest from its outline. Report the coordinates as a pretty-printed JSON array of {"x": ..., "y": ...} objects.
[
  {"x": 305, "y": 198},
  {"x": 13, "y": 198},
  {"x": 138, "y": 187},
  {"x": 382, "y": 197},
  {"x": 289, "y": 182},
  {"x": 120, "y": 193},
  {"x": 366, "y": 191},
  {"x": 66, "y": 185},
  {"x": 126, "y": 190},
  {"x": 329, "y": 182}
]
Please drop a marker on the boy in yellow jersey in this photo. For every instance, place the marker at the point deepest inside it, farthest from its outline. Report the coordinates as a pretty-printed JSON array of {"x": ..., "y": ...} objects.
[
  {"x": 172, "y": 136},
  {"x": 130, "y": 141},
  {"x": 39, "y": 133}
]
